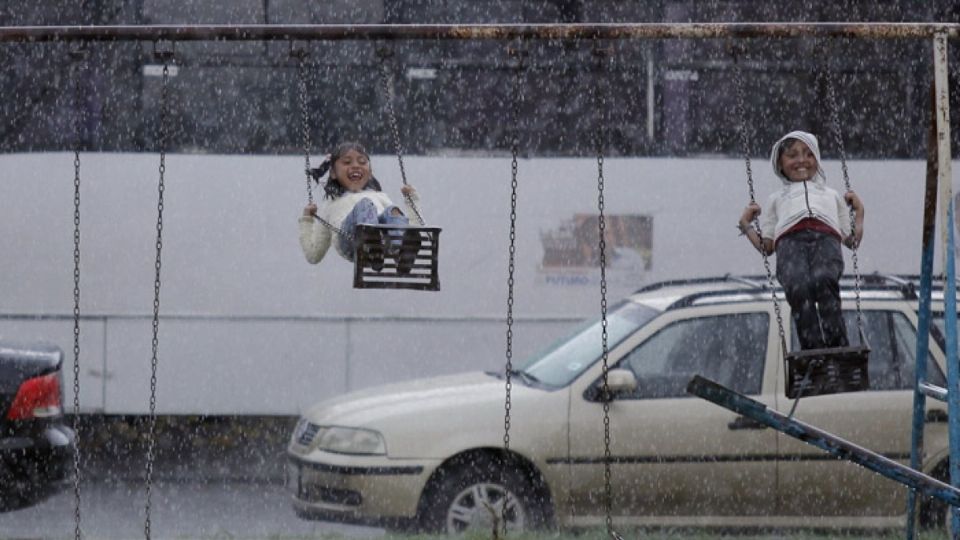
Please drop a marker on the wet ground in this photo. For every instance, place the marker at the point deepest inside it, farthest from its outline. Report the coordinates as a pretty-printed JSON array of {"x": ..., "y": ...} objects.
[{"x": 179, "y": 510}]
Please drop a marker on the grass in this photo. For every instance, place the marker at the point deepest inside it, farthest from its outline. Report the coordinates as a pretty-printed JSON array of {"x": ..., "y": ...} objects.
[{"x": 649, "y": 534}]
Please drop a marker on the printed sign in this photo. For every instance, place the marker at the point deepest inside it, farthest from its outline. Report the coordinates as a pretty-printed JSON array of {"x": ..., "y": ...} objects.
[{"x": 571, "y": 252}]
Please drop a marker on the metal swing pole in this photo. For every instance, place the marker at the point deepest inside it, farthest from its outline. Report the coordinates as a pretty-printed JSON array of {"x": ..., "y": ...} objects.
[
  {"x": 942, "y": 119},
  {"x": 938, "y": 180}
]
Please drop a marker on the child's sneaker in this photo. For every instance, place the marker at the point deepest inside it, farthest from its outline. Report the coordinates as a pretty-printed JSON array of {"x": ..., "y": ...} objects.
[
  {"x": 408, "y": 251},
  {"x": 373, "y": 253}
]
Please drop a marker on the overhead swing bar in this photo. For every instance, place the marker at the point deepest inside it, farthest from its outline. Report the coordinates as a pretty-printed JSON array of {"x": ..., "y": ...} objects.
[{"x": 333, "y": 32}]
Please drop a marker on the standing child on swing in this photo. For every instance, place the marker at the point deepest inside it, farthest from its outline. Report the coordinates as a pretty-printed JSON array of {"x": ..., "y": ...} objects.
[
  {"x": 804, "y": 223},
  {"x": 355, "y": 198}
]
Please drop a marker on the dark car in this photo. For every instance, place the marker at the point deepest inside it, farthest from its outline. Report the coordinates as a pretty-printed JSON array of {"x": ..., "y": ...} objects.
[{"x": 36, "y": 448}]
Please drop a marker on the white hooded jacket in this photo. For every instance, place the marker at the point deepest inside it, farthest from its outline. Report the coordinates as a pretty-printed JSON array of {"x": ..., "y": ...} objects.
[{"x": 796, "y": 201}]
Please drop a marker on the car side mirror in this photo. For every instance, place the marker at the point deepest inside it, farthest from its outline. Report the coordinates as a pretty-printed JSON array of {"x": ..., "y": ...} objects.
[{"x": 620, "y": 381}]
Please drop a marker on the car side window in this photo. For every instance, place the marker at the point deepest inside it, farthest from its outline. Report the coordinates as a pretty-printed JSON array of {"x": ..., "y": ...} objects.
[
  {"x": 903, "y": 360},
  {"x": 728, "y": 349},
  {"x": 893, "y": 342}
]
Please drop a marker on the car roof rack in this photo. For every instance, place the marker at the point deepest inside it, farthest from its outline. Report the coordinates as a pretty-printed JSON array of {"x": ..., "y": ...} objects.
[
  {"x": 906, "y": 285},
  {"x": 754, "y": 282}
]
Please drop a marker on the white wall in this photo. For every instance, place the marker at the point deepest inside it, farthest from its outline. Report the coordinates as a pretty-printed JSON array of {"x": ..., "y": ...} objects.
[{"x": 249, "y": 327}]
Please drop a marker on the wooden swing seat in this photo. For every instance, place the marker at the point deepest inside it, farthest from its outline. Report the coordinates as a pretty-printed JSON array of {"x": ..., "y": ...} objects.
[
  {"x": 815, "y": 372},
  {"x": 371, "y": 249}
]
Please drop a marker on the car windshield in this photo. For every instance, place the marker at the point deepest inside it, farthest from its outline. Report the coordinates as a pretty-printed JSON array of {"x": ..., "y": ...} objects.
[{"x": 567, "y": 358}]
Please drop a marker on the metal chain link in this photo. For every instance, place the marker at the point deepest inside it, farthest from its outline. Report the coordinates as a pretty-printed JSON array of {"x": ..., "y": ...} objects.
[
  {"x": 743, "y": 129},
  {"x": 78, "y": 126},
  {"x": 600, "y": 139},
  {"x": 838, "y": 139},
  {"x": 155, "y": 342},
  {"x": 389, "y": 95},
  {"x": 516, "y": 98},
  {"x": 301, "y": 56}
]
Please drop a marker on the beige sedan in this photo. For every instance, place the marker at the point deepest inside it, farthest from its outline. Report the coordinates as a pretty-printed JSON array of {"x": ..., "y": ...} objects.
[{"x": 430, "y": 454}]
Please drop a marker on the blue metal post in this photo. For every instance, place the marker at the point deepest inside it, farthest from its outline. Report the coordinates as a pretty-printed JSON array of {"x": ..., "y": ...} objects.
[
  {"x": 923, "y": 324},
  {"x": 953, "y": 368}
]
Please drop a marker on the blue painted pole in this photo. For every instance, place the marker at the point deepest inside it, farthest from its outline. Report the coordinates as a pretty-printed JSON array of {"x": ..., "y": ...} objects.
[
  {"x": 920, "y": 373},
  {"x": 923, "y": 314},
  {"x": 953, "y": 368}
]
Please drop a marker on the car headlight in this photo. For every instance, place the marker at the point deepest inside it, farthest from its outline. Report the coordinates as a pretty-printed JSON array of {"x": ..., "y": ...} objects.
[{"x": 344, "y": 440}]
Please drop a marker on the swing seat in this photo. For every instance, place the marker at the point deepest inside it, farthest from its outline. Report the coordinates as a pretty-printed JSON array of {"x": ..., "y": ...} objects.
[
  {"x": 376, "y": 268},
  {"x": 815, "y": 372}
]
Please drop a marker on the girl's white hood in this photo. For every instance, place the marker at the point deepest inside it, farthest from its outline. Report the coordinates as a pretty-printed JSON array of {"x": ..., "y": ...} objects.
[{"x": 808, "y": 139}]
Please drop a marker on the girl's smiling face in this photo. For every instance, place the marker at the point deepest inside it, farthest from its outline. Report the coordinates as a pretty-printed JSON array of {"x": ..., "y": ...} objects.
[
  {"x": 352, "y": 170},
  {"x": 798, "y": 162}
]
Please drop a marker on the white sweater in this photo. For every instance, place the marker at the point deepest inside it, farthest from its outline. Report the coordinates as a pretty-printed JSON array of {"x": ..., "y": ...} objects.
[
  {"x": 315, "y": 237},
  {"x": 786, "y": 207}
]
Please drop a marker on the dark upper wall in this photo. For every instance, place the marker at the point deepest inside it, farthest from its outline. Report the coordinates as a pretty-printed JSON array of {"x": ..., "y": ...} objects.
[{"x": 668, "y": 97}]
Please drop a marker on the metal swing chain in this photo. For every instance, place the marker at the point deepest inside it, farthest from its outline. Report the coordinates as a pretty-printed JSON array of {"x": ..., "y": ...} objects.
[
  {"x": 516, "y": 96},
  {"x": 745, "y": 147},
  {"x": 601, "y": 107},
  {"x": 389, "y": 95},
  {"x": 78, "y": 126},
  {"x": 301, "y": 56},
  {"x": 152, "y": 423},
  {"x": 838, "y": 138}
]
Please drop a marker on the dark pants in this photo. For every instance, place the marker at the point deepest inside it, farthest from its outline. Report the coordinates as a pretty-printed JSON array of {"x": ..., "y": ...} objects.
[{"x": 809, "y": 266}]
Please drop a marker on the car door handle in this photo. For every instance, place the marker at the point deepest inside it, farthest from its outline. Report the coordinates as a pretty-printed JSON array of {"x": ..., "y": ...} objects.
[
  {"x": 935, "y": 416},
  {"x": 742, "y": 422}
]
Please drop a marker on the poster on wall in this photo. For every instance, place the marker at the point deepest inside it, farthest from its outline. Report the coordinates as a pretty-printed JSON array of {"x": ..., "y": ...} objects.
[{"x": 571, "y": 250}]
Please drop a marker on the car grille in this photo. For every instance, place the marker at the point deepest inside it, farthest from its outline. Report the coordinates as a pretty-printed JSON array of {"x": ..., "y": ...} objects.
[
  {"x": 323, "y": 494},
  {"x": 307, "y": 435}
]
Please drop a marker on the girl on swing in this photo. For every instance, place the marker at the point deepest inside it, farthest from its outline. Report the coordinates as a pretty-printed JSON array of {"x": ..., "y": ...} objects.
[
  {"x": 804, "y": 223},
  {"x": 355, "y": 198}
]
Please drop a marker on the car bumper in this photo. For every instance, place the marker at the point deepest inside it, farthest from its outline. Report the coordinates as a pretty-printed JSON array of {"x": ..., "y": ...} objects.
[
  {"x": 38, "y": 464},
  {"x": 367, "y": 490}
]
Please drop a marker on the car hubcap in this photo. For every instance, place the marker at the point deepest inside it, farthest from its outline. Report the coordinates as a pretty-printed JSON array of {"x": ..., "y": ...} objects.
[{"x": 480, "y": 505}]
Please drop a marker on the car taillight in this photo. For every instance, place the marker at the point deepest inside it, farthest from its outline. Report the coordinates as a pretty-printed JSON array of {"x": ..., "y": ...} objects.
[{"x": 38, "y": 397}]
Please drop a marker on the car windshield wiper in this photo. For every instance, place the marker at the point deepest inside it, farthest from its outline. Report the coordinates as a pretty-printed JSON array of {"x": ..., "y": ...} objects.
[{"x": 529, "y": 379}]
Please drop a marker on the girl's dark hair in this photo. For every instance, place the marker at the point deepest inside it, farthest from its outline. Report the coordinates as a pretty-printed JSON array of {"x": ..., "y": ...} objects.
[
  {"x": 332, "y": 189},
  {"x": 787, "y": 143}
]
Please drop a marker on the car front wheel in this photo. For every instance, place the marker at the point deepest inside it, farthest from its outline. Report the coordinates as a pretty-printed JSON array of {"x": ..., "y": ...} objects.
[{"x": 474, "y": 496}]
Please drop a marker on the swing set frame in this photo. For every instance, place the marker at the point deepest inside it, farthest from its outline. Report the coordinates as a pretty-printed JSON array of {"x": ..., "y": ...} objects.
[{"x": 938, "y": 174}]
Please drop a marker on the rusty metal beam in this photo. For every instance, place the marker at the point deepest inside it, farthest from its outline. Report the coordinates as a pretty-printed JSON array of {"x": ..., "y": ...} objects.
[{"x": 338, "y": 32}]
